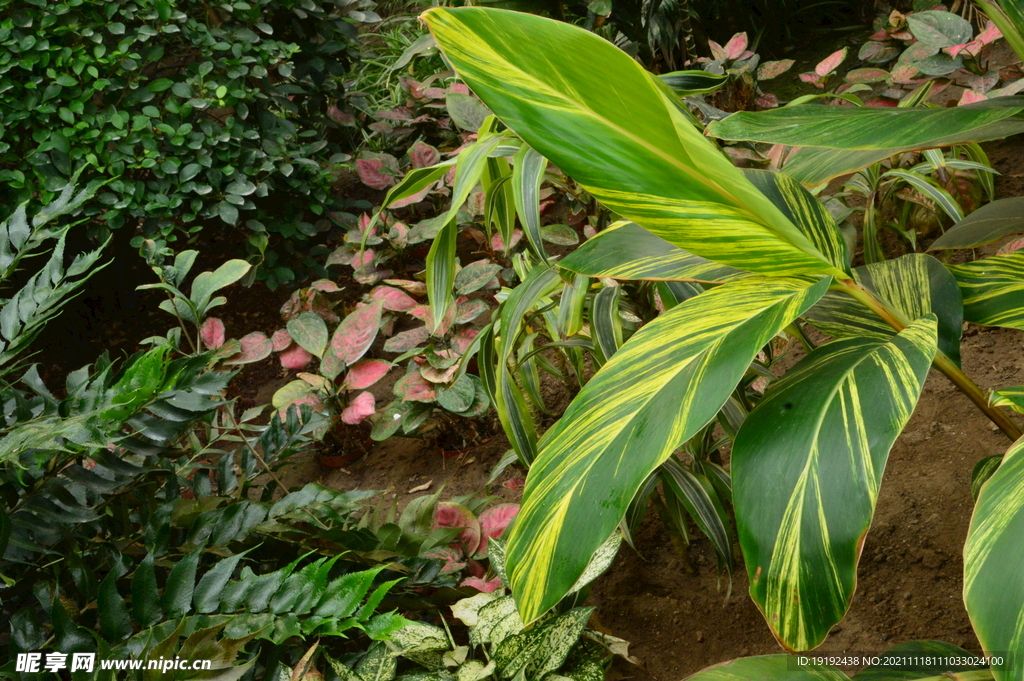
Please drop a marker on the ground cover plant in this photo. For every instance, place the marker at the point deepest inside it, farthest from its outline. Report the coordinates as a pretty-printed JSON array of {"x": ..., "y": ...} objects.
[{"x": 774, "y": 256}]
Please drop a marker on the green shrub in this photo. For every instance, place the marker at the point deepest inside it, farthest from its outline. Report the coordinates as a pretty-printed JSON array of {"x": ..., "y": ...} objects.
[{"x": 195, "y": 112}]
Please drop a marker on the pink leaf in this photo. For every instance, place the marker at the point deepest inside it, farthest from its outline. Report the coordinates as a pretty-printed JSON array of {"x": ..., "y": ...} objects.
[
  {"x": 414, "y": 388},
  {"x": 717, "y": 51},
  {"x": 736, "y": 46},
  {"x": 882, "y": 102},
  {"x": 352, "y": 339},
  {"x": 970, "y": 97},
  {"x": 362, "y": 406},
  {"x": 365, "y": 373},
  {"x": 435, "y": 375},
  {"x": 423, "y": 155},
  {"x": 281, "y": 340},
  {"x": 255, "y": 347},
  {"x": 1011, "y": 247},
  {"x": 989, "y": 35},
  {"x": 417, "y": 287},
  {"x": 514, "y": 483},
  {"x": 340, "y": 117},
  {"x": 212, "y": 333},
  {"x": 360, "y": 261},
  {"x": 831, "y": 62},
  {"x": 450, "y": 514},
  {"x": 812, "y": 78},
  {"x": 393, "y": 299},
  {"x": 409, "y": 200},
  {"x": 295, "y": 358},
  {"x": 868, "y": 75},
  {"x": 482, "y": 585},
  {"x": 452, "y": 558},
  {"x": 499, "y": 245},
  {"x": 406, "y": 340},
  {"x": 313, "y": 400},
  {"x": 460, "y": 88},
  {"x": 773, "y": 69},
  {"x": 767, "y": 101},
  {"x": 325, "y": 285},
  {"x": 493, "y": 522},
  {"x": 463, "y": 339},
  {"x": 377, "y": 171}
]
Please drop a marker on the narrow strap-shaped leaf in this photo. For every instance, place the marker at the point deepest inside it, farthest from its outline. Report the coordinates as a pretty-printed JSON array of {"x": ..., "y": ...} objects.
[
  {"x": 914, "y": 284},
  {"x": 993, "y": 570},
  {"x": 698, "y": 496},
  {"x": 417, "y": 180},
  {"x": 628, "y": 251},
  {"x": 989, "y": 223},
  {"x": 499, "y": 203},
  {"x": 686, "y": 83},
  {"x": 931, "y": 190},
  {"x": 822, "y": 436},
  {"x": 550, "y": 82},
  {"x": 993, "y": 290},
  {"x": 680, "y": 369},
  {"x": 571, "y": 304},
  {"x": 527, "y": 176},
  {"x": 441, "y": 265},
  {"x": 637, "y": 508},
  {"x": 604, "y": 320}
]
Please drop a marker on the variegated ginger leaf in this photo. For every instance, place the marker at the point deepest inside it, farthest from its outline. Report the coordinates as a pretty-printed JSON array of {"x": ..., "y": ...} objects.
[
  {"x": 993, "y": 290},
  {"x": 821, "y": 436},
  {"x": 594, "y": 112},
  {"x": 679, "y": 369}
]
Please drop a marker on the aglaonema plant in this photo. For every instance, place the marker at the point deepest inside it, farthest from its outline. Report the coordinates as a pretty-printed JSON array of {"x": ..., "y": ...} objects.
[{"x": 770, "y": 255}]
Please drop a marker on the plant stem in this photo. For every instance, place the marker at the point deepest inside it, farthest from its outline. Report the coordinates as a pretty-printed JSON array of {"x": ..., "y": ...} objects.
[{"x": 941, "y": 362}]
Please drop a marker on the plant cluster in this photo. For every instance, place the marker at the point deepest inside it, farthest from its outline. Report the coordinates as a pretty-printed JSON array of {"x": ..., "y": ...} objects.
[{"x": 768, "y": 258}]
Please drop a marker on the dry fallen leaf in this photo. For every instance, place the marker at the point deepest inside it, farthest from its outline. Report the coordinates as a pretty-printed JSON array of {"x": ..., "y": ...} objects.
[{"x": 421, "y": 488}]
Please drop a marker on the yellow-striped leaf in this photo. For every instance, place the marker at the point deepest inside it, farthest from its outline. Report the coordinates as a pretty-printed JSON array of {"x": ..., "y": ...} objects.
[
  {"x": 626, "y": 250},
  {"x": 993, "y": 290},
  {"x": 993, "y": 569},
  {"x": 1009, "y": 397},
  {"x": 527, "y": 177},
  {"x": 914, "y": 285},
  {"x": 594, "y": 112},
  {"x": 679, "y": 369},
  {"x": 821, "y": 436},
  {"x": 768, "y": 668}
]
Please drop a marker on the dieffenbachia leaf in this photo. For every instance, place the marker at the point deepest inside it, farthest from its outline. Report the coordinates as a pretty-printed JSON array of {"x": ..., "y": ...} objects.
[
  {"x": 681, "y": 368},
  {"x": 836, "y": 140},
  {"x": 985, "y": 225},
  {"x": 993, "y": 570},
  {"x": 822, "y": 436},
  {"x": 993, "y": 290},
  {"x": 914, "y": 284},
  {"x": 626, "y": 250},
  {"x": 561, "y": 89},
  {"x": 768, "y": 668}
]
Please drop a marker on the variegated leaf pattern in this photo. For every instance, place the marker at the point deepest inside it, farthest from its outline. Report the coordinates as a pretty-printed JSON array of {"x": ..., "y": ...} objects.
[
  {"x": 768, "y": 668},
  {"x": 627, "y": 251},
  {"x": 804, "y": 211},
  {"x": 563, "y": 90},
  {"x": 993, "y": 290},
  {"x": 680, "y": 369},
  {"x": 993, "y": 569},
  {"x": 919, "y": 660},
  {"x": 822, "y": 436},
  {"x": 1009, "y": 397},
  {"x": 914, "y": 284},
  {"x": 528, "y": 175}
]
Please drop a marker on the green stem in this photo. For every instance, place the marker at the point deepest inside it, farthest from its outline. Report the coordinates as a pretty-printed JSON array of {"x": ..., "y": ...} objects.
[{"x": 941, "y": 362}]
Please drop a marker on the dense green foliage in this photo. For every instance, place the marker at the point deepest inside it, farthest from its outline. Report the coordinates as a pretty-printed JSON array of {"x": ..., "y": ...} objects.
[{"x": 194, "y": 112}]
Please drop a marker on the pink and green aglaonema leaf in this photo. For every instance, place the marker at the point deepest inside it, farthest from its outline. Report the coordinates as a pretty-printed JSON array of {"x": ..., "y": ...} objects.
[
  {"x": 295, "y": 357},
  {"x": 212, "y": 333},
  {"x": 414, "y": 388},
  {"x": 325, "y": 285},
  {"x": 493, "y": 522},
  {"x": 453, "y": 559},
  {"x": 255, "y": 347},
  {"x": 407, "y": 340},
  {"x": 281, "y": 340},
  {"x": 450, "y": 514},
  {"x": 830, "y": 63},
  {"x": 481, "y": 584},
  {"x": 423, "y": 155},
  {"x": 352, "y": 339},
  {"x": 394, "y": 299},
  {"x": 736, "y": 46},
  {"x": 359, "y": 409},
  {"x": 774, "y": 69},
  {"x": 365, "y": 373}
]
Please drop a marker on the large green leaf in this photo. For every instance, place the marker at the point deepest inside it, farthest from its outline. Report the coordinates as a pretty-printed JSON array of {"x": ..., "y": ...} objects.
[
  {"x": 985, "y": 225},
  {"x": 594, "y": 112},
  {"x": 821, "y": 437},
  {"x": 917, "y": 660},
  {"x": 993, "y": 290},
  {"x": 837, "y": 140},
  {"x": 866, "y": 128},
  {"x": 628, "y": 251},
  {"x": 680, "y": 369},
  {"x": 914, "y": 285},
  {"x": 768, "y": 668},
  {"x": 993, "y": 569}
]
